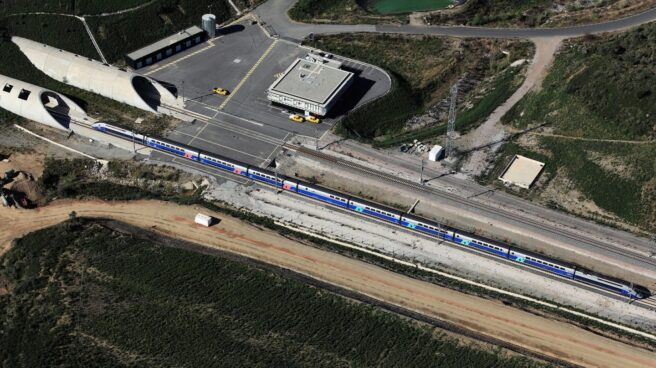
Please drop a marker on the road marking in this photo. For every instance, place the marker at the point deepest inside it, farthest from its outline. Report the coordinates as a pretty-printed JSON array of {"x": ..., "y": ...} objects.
[
  {"x": 220, "y": 145},
  {"x": 197, "y": 134},
  {"x": 209, "y": 107},
  {"x": 211, "y": 44},
  {"x": 243, "y": 80}
]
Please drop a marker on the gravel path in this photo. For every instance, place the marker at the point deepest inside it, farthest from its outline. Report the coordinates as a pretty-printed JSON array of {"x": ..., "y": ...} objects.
[{"x": 486, "y": 317}]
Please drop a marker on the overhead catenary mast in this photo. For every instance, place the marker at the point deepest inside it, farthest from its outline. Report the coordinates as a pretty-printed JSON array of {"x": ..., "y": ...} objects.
[{"x": 451, "y": 128}]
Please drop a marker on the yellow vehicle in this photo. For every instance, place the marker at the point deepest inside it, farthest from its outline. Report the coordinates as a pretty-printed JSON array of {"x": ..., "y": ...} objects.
[
  {"x": 313, "y": 119},
  {"x": 220, "y": 91},
  {"x": 296, "y": 118}
]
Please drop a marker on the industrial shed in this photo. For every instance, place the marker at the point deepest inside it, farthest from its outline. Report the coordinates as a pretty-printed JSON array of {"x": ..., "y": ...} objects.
[
  {"x": 38, "y": 104},
  {"x": 95, "y": 76},
  {"x": 313, "y": 86},
  {"x": 166, "y": 47}
]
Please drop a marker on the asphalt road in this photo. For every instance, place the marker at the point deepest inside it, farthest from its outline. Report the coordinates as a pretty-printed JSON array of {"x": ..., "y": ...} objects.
[
  {"x": 274, "y": 14},
  {"x": 245, "y": 126}
]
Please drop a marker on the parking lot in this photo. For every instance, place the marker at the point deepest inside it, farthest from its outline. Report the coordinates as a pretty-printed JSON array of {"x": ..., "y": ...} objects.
[{"x": 244, "y": 125}]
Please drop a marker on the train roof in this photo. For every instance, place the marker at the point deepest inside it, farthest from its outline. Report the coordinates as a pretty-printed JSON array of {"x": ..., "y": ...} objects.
[
  {"x": 319, "y": 187},
  {"x": 377, "y": 205},
  {"x": 543, "y": 257},
  {"x": 426, "y": 221}
]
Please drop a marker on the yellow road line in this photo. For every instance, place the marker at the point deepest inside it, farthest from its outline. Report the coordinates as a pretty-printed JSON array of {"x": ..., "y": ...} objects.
[
  {"x": 211, "y": 44},
  {"x": 243, "y": 80}
]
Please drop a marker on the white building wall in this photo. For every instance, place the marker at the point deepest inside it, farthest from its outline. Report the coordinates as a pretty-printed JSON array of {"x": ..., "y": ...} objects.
[
  {"x": 33, "y": 108},
  {"x": 89, "y": 74}
]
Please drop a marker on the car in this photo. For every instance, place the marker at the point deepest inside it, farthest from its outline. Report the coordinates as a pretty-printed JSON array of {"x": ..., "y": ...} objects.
[
  {"x": 220, "y": 91},
  {"x": 313, "y": 119},
  {"x": 296, "y": 118}
]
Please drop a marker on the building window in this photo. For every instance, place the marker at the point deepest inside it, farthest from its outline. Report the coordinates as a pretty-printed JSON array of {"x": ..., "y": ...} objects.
[
  {"x": 169, "y": 52},
  {"x": 8, "y": 87},
  {"x": 178, "y": 48},
  {"x": 149, "y": 61},
  {"x": 159, "y": 56},
  {"x": 24, "y": 94},
  {"x": 139, "y": 64},
  {"x": 188, "y": 43}
]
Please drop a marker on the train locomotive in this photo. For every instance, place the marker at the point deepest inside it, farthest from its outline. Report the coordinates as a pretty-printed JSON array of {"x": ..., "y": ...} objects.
[{"x": 381, "y": 212}]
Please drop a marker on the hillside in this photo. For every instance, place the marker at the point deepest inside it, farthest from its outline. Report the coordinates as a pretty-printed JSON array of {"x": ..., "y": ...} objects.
[
  {"x": 597, "y": 106},
  {"x": 84, "y": 294}
]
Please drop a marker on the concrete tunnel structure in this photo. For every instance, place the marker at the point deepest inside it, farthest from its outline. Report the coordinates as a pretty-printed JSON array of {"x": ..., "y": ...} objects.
[
  {"x": 95, "y": 76},
  {"x": 39, "y": 104}
]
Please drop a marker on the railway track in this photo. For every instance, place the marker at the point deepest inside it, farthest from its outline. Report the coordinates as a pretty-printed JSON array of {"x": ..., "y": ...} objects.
[
  {"x": 464, "y": 202},
  {"x": 413, "y": 186}
]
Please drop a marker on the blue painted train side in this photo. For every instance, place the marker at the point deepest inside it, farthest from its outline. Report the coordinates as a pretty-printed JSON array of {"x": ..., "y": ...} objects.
[{"x": 381, "y": 212}]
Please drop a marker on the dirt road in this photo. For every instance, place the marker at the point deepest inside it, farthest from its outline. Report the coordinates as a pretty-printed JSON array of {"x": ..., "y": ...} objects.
[{"x": 491, "y": 318}]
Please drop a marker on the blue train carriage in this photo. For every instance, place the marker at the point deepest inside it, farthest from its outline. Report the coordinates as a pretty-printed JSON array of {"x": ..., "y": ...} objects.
[
  {"x": 481, "y": 244},
  {"x": 322, "y": 194},
  {"x": 375, "y": 210},
  {"x": 174, "y": 148},
  {"x": 119, "y": 132},
  {"x": 540, "y": 261},
  {"x": 608, "y": 283},
  {"x": 224, "y": 164},
  {"x": 432, "y": 228},
  {"x": 265, "y": 176}
]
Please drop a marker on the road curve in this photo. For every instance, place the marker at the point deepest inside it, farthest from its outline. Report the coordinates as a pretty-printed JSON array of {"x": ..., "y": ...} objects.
[{"x": 274, "y": 14}]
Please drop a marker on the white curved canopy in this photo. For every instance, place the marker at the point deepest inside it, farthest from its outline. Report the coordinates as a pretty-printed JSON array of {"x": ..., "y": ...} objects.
[
  {"x": 94, "y": 76},
  {"x": 38, "y": 104}
]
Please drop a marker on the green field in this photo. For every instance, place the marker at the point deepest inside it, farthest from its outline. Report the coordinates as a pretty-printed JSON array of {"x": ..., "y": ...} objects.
[
  {"x": 423, "y": 69},
  {"x": 85, "y": 295},
  {"x": 405, "y": 6},
  {"x": 601, "y": 88}
]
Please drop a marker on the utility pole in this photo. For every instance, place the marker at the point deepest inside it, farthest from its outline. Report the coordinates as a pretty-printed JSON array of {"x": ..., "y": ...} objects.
[
  {"x": 316, "y": 138},
  {"x": 450, "y": 132},
  {"x": 421, "y": 177}
]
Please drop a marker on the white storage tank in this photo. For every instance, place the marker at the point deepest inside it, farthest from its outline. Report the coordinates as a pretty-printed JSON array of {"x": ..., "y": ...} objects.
[
  {"x": 205, "y": 220},
  {"x": 209, "y": 25}
]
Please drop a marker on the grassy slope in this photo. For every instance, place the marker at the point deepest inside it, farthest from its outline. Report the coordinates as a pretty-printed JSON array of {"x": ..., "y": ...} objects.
[
  {"x": 602, "y": 89},
  {"x": 502, "y": 13},
  {"x": 423, "y": 69},
  {"x": 123, "y": 33},
  {"x": 164, "y": 17},
  {"x": 145, "y": 304},
  {"x": 338, "y": 11}
]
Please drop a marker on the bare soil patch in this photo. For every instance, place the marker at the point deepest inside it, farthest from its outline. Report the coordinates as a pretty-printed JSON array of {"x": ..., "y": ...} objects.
[{"x": 486, "y": 317}]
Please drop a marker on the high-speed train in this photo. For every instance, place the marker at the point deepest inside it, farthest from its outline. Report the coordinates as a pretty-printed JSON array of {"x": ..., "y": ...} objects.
[{"x": 382, "y": 212}]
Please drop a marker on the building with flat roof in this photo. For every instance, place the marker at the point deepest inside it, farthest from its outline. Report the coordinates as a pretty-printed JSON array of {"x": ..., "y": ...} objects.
[
  {"x": 311, "y": 86},
  {"x": 522, "y": 172},
  {"x": 165, "y": 47}
]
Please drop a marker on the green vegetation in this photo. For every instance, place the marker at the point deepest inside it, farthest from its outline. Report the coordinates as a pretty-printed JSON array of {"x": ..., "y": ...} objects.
[
  {"x": 123, "y": 33},
  {"x": 85, "y": 295},
  {"x": 404, "y": 6},
  {"x": 72, "y": 178},
  {"x": 339, "y": 11},
  {"x": 423, "y": 69},
  {"x": 601, "y": 88},
  {"x": 116, "y": 34},
  {"x": 501, "y": 88}
]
